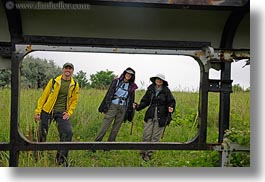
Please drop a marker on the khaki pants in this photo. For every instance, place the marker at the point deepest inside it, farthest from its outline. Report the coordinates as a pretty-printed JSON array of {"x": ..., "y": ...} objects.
[
  {"x": 116, "y": 113},
  {"x": 152, "y": 133}
]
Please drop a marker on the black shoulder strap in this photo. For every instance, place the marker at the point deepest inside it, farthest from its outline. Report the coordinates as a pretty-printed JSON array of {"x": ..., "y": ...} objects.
[
  {"x": 73, "y": 88},
  {"x": 53, "y": 81},
  {"x": 74, "y": 85}
]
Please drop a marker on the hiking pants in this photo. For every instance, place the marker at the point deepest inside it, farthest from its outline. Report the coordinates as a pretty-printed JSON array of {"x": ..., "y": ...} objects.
[
  {"x": 116, "y": 113},
  {"x": 152, "y": 133},
  {"x": 64, "y": 128}
]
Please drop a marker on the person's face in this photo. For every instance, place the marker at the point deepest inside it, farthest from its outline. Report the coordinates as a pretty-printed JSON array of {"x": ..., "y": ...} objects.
[
  {"x": 159, "y": 82},
  {"x": 68, "y": 71},
  {"x": 128, "y": 76}
]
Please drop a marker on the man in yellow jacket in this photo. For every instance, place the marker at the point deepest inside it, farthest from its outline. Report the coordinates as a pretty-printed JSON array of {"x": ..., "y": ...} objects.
[{"x": 58, "y": 102}]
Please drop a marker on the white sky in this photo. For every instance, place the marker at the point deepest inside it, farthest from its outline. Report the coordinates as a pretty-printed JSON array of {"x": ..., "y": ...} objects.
[{"x": 181, "y": 72}]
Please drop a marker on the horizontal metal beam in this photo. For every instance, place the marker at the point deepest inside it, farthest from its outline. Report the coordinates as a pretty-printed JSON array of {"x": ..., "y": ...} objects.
[
  {"x": 105, "y": 42},
  {"x": 114, "y": 146},
  {"x": 4, "y": 146},
  {"x": 5, "y": 49},
  {"x": 5, "y": 55},
  {"x": 220, "y": 85}
]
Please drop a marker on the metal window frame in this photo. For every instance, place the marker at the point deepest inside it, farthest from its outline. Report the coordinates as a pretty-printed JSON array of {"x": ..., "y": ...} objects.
[{"x": 207, "y": 57}]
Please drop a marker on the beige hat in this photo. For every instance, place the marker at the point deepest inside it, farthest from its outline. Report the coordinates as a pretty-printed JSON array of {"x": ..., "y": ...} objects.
[
  {"x": 128, "y": 70},
  {"x": 161, "y": 77}
]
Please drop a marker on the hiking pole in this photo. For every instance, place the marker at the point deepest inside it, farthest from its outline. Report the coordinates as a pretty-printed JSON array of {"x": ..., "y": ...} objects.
[
  {"x": 131, "y": 128},
  {"x": 167, "y": 120},
  {"x": 135, "y": 105}
]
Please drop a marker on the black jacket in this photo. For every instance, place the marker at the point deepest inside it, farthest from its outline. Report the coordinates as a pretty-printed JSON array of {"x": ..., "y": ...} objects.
[
  {"x": 105, "y": 104},
  {"x": 162, "y": 101}
]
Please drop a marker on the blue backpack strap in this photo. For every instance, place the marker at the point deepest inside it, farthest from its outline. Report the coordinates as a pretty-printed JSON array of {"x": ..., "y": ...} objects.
[{"x": 118, "y": 85}]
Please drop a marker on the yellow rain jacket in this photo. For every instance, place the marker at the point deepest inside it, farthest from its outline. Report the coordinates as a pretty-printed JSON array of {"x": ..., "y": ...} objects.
[{"x": 49, "y": 96}]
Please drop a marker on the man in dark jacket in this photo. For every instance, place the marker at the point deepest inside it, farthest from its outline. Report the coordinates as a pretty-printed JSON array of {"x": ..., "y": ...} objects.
[
  {"x": 161, "y": 104},
  {"x": 117, "y": 104}
]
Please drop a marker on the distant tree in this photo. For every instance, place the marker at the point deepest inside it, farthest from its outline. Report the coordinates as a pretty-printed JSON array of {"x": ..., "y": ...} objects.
[
  {"x": 5, "y": 77},
  {"x": 248, "y": 89},
  {"x": 237, "y": 88},
  {"x": 102, "y": 79},
  {"x": 80, "y": 77},
  {"x": 36, "y": 72}
]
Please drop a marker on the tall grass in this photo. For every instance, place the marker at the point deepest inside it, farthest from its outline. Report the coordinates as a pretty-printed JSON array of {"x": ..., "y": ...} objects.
[
  {"x": 86, "y": 122},
  {"x": 5, "y": 104}
]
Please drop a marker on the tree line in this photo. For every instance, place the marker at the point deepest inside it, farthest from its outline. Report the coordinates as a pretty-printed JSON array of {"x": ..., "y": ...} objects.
[{"x": 36, "y": 72}]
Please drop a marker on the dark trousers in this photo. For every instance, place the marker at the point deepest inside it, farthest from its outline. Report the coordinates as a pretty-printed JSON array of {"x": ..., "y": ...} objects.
[{"x": 64, "y": 128}]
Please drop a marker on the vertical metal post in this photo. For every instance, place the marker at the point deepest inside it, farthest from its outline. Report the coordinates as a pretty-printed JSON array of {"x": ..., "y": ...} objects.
[
  {"x": 224, "y": 109},
  {"x": 224, "y": 112},
  {"x": 226, "y": 155},
  {"x": 14, "y": 118}
]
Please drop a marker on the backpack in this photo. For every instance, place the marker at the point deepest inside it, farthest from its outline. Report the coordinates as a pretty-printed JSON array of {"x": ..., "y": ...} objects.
[{"x": 53, "y": 81}]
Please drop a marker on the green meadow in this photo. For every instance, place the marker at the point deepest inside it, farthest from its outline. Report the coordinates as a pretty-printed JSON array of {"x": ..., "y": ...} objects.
[{"x": 86, "y": 122}]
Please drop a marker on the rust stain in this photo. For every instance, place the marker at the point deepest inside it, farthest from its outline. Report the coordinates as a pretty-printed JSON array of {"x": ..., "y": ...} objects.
[
  {"x": 29, "y": 48},
  {"x": 199, "y": 53}
]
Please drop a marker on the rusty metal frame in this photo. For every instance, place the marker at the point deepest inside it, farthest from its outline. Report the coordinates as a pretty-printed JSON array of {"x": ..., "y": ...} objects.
[
  {"x": 200, "y": 51},
  {"x": 203, "y": 55}
]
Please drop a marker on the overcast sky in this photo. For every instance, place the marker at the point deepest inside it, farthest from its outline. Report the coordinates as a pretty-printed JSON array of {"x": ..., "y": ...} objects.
[{"x": 181, "y": 72}]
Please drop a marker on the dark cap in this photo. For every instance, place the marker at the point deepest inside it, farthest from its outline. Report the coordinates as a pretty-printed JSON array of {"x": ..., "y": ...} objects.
[{"x": 68, "y": 64}]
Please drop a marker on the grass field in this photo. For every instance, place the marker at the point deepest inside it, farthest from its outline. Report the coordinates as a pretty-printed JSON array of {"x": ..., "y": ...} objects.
[{"x": 86, "y": 122}]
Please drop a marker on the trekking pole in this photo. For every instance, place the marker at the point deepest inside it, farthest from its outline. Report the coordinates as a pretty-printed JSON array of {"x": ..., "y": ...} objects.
[
  {"x": 167, "y": 120},
  {"x": 131, "y": 128},
  {"x": 132, "y": 120}
]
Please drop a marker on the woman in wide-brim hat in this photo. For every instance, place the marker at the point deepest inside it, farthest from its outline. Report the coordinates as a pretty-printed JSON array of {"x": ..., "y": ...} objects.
[
  {"x": 159, "y": 76},
  {"x": 158, "y": 115}
]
